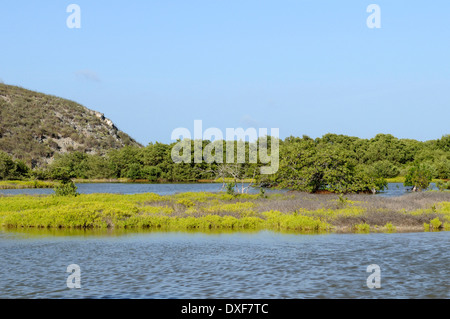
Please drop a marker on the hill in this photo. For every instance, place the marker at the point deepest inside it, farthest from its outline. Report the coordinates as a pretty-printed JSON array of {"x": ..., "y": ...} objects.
[{"x": 34, "y": 127}]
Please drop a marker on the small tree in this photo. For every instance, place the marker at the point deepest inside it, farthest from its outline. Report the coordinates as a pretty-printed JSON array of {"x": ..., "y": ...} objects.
[
  {"x": 419, "y": 177},
  {"x": 238, "y": 172},
  {"x": 230, "y": 188},
  {"x": 65, "y": 187},
  {"x": 21, "y": 170}
]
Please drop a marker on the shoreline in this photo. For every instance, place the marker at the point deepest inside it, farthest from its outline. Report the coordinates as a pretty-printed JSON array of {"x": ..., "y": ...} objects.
[
  {"x": 30, "y": 184},
  {"x": 130, "y": 231}
]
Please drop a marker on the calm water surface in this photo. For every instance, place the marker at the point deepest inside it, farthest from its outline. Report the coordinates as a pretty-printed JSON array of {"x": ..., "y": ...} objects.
[
  {"x": 394, "y": 189},
  {"x": 228, "y": 265}
]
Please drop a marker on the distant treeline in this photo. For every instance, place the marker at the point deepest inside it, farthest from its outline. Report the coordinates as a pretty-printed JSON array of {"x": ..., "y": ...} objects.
[{"x": 333, "y": 162}]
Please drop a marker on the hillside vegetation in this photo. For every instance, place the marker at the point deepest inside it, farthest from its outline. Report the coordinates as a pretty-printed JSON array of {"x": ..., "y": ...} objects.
[{"x": 34, "y": 127}]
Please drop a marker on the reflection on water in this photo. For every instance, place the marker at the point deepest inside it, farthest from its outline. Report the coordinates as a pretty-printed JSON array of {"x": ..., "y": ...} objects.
[
  {"x": 39, "y": 233},
  {"x": 223, "y": 265}
]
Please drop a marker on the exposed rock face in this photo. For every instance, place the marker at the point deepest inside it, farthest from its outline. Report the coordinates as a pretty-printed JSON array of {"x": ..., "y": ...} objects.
[
  {"x": 102, "y": 117},
  {"x": 35, "y": 126}
]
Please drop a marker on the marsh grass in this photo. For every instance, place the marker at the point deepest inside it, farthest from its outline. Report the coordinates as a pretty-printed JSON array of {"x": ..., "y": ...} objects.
[
  {"x": 293, "y": 211},
  {"x": 26, "y": 184}
]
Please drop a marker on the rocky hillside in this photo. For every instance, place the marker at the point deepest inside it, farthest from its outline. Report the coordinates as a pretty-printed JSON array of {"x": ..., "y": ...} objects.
[{"x": 35, "y": 126}]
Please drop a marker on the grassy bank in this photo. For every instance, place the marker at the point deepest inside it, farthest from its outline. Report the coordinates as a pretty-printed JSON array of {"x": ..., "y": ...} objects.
[
  {"x": 26, "y": 184},
  {"x": 204, "y": 211},
  {"x": 102, "y": 180}
]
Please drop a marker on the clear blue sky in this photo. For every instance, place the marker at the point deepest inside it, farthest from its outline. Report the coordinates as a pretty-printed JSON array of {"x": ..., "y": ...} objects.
[{"x": 304, "y": 66}]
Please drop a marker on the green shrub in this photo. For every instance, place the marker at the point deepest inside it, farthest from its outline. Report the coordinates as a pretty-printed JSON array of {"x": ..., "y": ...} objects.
[
  {"x": 435, "y": 223},
  {"x": 419, "y": 177},
  {"x": 262, "y": 192},
  {"x": 390, "y": 228},
  {"x": 185, "y": 202},
  {"x": 230, "y": 189},
  {"x": 342, "y": 201},
  {"x": 66, "y": 188}
]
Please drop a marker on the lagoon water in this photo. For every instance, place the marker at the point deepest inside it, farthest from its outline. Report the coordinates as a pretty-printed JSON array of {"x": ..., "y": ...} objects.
[
  {"x": 144, "y": 264},
  {"x": 223, "y": 265},
  {"x": 394, "y": 189}
]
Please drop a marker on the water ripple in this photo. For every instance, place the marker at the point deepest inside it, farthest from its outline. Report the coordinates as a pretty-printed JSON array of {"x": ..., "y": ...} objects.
[{"x": 256, "y": 265}]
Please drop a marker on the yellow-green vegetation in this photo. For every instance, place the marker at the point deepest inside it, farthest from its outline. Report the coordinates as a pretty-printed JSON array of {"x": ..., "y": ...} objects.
[
  {"x": 390, "y": 228},
  {"x": 185, "y": 202},
  {"x": 26, "y": 184},
  {"x": 435, "y": 223},
  {"x": 146, "y": 211},
  {"x": 281, "y": 221},
  {"x": 361, "y": 228},
  {"x": 222, "y": 211}
]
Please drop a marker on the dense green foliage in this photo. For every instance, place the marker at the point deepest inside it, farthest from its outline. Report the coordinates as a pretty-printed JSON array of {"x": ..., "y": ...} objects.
[
  {"x": 12, "y": 169},
  {"x": 321, "y": 165},
  {"x": 344, "y": 164},
  {"x": 419, "y": 177},
  {"x": 334, "y": 163}
]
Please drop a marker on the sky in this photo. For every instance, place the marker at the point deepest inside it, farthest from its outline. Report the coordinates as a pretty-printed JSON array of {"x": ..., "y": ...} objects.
[{"x": 307, "y": 67}]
